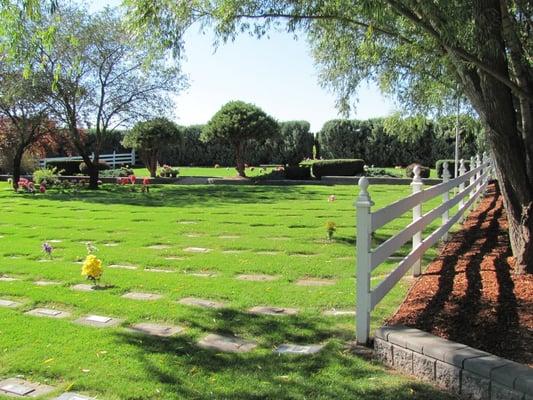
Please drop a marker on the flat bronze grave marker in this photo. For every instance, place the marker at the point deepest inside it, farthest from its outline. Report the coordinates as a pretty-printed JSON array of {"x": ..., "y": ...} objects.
[
  {"x": 161, "y": 270},
  {"x": 9, "y": 303},
  {"x": 196, "y": 302},
  {"x": 15, "y": 387},
  {"x": 257, "y": 277},
  {"x": 48, "y": 312},
  {"x": 197, "y": 250},
  {"x": 153, "y": 329},
  {"x": 122, "y": 266},
  {"x": 8, "y": 279},
  {"x": 266, "y": 310},
  {"x": 203, "y": 274},
  {"x": 73, "y": 396},
  {"x": 83, "y": 287},
  {"x": 298, "y": 349},
  {"x": 142, "y": 296},
  {"x": 338, "y": 313},
  {"x": 315, "y": 282},
  {"x": 46, "y": 283},
  {"x": 98, "y": 321},
  {"x": 230, "y": 344},
  {"x": 159, "y": 246}
]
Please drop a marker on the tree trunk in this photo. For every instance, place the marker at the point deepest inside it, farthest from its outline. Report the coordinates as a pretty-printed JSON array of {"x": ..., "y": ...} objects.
[
  {"x": 150, "y": 162},
  {"x": 241, "y": 170},
  {"x": 17, "y": 161},
  {"x": 93, "y": 176},
  {"x": 506, "y": 135}
]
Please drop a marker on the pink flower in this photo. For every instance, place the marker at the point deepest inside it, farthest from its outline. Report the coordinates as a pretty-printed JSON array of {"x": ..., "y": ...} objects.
[
  {"x": 146, "y": 181},
  {"x": 132, "y": 178},
  {"x": 42, "y": 189}
]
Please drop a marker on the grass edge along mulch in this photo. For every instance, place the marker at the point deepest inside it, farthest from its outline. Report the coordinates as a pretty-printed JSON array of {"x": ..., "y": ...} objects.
[{"x": 470, "y": 293}]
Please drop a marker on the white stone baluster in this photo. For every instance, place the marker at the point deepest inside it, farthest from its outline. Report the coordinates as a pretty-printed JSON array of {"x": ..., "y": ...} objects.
[
  {"x": 416, "y": 186},
  {"x": 445, "y": 196},
  {"x": 462, "y": 171},
  {"x": 364, "y": 246}
]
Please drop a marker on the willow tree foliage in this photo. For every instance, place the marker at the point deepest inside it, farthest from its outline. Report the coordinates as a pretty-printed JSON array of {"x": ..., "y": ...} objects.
[{"x": 424, "y": 52}]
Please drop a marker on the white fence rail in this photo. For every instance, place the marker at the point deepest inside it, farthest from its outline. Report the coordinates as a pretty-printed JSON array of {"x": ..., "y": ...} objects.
[
  {"x": 466, "y": 190},
  {"x": 113, "y": 159}
]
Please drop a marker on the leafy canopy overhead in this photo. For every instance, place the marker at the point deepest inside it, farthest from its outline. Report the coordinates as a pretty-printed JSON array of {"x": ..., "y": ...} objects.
[{"x": 412, "y": 48}]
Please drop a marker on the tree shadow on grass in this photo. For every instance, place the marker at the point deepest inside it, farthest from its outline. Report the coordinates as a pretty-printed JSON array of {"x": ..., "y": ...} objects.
[
  {"x": 334, "y": 373},
  {"x": 180, "y": 196}
]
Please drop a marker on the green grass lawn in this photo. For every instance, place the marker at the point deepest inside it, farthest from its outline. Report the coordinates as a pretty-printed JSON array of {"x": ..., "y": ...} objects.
[
  {"x": 256, "y": 171},
  {"x": 247, "y": 229},
  {"x": 222, "y": 172}
]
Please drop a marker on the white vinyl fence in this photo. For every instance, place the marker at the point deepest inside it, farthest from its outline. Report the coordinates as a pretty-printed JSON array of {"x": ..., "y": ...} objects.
[
  {"x": 465, "y": 189},
  {"x": 113, "y": 159}
]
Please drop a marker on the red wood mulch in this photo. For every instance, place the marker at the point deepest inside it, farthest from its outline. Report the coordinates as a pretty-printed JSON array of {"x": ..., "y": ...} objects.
[{"x": 470, "y": 294}]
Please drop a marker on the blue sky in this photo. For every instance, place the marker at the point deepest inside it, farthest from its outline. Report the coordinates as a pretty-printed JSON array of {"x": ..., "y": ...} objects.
[{"x": 275, "y": 73}]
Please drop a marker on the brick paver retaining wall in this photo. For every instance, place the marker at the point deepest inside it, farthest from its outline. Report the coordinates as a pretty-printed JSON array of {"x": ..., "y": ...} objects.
[{"x": 463, "y": 370}]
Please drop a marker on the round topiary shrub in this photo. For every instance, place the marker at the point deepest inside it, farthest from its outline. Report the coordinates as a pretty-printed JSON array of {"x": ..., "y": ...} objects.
[{"x": 424, "y": 171}]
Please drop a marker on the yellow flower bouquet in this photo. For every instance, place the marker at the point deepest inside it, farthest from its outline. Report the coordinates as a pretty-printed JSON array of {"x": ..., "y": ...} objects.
[
  {"x": 92, "y": 268},
  {"x": 331, "y": 227}
]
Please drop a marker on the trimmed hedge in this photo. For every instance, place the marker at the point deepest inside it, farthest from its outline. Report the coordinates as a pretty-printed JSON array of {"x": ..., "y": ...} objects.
[
  {"x": 341, "y": 167},
  {"x": 300, "y": 173},
  {"x": 451, "y": 167},
  {"x": 424, "y": 171},
  {"x": 65, "y": 167}
]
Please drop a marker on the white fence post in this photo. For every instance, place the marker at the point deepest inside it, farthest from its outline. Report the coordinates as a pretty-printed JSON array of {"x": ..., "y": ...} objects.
[
  {"x": 416, "y": 186},
  {"x": 364, "y": 230},
  {"x": 478, "y": 175},
  {"x": 472, "y": 180},
  {"x": 462, "y": 171},
  {"x": 486, "y": 169},
  {"x": 445, "y": 196}
]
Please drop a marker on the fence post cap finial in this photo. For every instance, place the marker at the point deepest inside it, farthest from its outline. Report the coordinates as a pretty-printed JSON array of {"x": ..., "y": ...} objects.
[{"x": 364, "y": 196}]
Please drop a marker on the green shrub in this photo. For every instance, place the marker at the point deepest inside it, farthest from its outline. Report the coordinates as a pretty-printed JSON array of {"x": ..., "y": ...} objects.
[
  {"x": 297, "y": 173},
  {"x": 380, "y": 172},
  {"x": 166, "y": 171},
  {"x": 65, "y": 167},
  {"x": 117, "y": 173},
  {"x": 451, "y": 167},
  {"x": 48, "y": 175},
  {"x": 342, "y": 138},
  {"x": 102, "y": 166},
  {"x": 424, "y": 171},
  {"x": 342, "y": 167}
]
